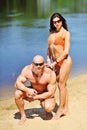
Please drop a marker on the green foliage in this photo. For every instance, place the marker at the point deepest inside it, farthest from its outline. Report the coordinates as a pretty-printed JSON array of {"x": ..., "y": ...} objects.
[{"x": 40, "y": 8}]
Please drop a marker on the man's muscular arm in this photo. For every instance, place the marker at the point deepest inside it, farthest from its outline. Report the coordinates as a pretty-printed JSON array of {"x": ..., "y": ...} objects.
[
  {"x": 21, "y": 86},
  {"x": 20, "y": 83},
  {"x": 21, "y": 80}
]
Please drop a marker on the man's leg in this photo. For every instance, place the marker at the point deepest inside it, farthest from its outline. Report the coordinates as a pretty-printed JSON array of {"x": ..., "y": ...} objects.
[
  {"x": 20, "y": 104},
  {"x": 48, "y": 104}
]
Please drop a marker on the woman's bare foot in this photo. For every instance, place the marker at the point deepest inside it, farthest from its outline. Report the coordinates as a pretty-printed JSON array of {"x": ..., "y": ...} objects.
[
  {"x": 22, "y": 121},
  {"x": 59, "y": 114}
]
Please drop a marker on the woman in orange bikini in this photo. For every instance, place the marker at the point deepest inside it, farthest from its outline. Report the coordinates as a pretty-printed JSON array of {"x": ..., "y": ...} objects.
[{"x": 58, "y": 58}]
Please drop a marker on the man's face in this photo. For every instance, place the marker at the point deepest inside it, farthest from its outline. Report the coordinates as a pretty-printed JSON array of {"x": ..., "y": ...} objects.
[{"x": 38, "y": 67}]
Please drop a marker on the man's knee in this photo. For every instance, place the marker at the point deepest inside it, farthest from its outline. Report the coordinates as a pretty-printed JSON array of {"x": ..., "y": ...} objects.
[
  {"x": 18, "y": 94},
  {"x": 49, "y": 107}
]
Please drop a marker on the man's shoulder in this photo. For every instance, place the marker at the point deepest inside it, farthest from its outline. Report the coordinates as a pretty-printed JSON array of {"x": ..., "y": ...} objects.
[
  {"x": 27, "y": 68},
  {"x": 49, "y": 70},
  {"x": 50, "y": 74}
]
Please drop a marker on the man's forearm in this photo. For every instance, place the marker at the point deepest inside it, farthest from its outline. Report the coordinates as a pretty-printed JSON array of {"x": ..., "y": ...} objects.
[{"x": 44, "y": 95}]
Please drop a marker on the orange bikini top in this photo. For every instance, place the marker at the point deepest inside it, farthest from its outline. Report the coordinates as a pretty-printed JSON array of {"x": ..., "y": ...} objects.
[{"x": 58, "y": 41}]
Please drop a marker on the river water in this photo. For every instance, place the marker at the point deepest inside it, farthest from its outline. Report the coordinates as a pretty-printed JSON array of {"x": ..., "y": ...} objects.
[{"x": 22, "y": 38}]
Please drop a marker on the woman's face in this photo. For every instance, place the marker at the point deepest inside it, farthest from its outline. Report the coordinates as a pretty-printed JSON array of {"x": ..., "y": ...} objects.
[{"x": 57, "y": 22}]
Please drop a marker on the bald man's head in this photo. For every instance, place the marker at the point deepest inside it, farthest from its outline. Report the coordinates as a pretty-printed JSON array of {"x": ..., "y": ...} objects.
[{"x": 38, "y": 59}]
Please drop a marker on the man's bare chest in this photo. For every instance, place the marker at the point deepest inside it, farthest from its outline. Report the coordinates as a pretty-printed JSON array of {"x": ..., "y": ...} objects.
[{"x": 39, "y": 80}]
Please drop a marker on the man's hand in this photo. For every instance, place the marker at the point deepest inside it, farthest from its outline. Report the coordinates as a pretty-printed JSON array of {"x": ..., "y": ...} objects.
[{"x": 31, "y": 92}]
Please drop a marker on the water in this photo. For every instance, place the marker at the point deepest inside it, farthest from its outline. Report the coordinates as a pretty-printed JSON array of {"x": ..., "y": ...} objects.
[
  {"x": 23, "y": 38},
  {"x": 78, "y": 26}
]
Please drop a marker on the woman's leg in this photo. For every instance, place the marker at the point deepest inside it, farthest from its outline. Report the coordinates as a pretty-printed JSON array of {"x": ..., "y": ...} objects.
[{"x": 63, "y": 94}]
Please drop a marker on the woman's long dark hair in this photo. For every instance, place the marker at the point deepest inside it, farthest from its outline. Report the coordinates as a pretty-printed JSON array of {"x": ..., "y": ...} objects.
[{"x": 64, "y": 24}]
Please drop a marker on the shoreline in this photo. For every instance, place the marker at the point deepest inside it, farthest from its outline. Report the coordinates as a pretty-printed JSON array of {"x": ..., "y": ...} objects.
[{"x": 7, "y": 92}]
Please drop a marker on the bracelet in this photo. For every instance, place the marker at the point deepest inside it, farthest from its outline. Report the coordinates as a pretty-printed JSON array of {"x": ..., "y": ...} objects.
[{"x": 48, "y": 60}]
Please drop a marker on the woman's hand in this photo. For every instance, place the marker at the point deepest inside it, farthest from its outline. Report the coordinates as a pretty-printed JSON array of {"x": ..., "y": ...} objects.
[{"x": 50, "y": 65}]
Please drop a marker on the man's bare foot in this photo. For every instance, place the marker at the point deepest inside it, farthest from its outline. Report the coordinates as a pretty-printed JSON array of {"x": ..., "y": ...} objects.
[
  {"x": 22, "y": 121},
  {"x": 59, "y": 114}
]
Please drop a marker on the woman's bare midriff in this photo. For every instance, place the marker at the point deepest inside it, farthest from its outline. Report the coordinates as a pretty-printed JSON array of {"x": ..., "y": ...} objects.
[{"x": 56, "y": 51}]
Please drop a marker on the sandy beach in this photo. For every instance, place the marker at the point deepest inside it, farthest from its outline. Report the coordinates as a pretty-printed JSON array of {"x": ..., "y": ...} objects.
[{"x": 36, "y": 118}]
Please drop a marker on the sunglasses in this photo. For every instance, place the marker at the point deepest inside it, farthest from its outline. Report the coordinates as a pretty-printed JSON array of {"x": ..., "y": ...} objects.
[
  {"x": 38, "y": 64},
  {"x": 58, "y": 21}
]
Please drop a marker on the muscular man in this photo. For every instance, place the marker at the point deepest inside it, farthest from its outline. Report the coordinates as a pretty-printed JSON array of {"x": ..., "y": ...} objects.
[{"x": 43, "y": 86}]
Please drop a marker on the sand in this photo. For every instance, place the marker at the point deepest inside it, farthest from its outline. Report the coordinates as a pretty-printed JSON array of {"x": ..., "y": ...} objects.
[{"x": 36, "y": 118}]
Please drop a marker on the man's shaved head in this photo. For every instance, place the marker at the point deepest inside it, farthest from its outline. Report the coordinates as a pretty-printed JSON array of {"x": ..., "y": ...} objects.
[{"x": 38, "y": 59}]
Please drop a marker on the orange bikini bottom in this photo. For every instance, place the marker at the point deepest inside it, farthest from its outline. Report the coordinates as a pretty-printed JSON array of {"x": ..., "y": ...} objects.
[{"x": 59, "y": 63}]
